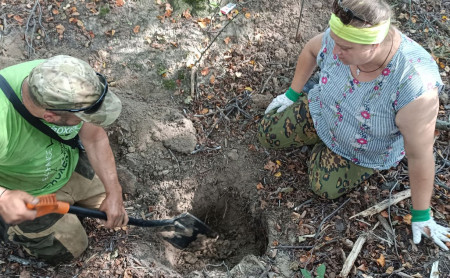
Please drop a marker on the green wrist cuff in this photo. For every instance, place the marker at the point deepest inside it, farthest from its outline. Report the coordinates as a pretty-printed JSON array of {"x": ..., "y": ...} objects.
[
  {"x": 292, "y": 95},
  {"x": 420, "y": 215}
]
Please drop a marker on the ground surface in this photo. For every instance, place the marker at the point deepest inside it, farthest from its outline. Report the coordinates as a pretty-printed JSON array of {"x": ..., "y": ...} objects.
[{"x": 193, "y": 85}]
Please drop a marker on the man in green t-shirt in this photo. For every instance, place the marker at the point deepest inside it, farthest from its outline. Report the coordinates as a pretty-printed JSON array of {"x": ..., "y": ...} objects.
[{"x": 67, "y": 95}]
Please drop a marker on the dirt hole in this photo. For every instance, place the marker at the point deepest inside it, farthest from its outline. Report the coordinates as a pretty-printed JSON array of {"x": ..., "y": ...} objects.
[{"x": 240, "y": 231}]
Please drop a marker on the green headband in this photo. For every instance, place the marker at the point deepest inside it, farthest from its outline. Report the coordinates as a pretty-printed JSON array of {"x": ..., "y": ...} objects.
[{"x": 370, "y": 35}]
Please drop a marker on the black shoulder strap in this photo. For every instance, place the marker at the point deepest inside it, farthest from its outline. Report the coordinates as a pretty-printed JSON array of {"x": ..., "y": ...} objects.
[{"x": 36, "y": 122}]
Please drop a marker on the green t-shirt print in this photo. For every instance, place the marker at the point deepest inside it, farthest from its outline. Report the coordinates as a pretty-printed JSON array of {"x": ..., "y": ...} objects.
[{"x": 30, "y": 160}]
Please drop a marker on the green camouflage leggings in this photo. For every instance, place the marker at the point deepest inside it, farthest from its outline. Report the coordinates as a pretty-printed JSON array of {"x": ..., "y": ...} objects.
[{"x": 330, "y": 175}]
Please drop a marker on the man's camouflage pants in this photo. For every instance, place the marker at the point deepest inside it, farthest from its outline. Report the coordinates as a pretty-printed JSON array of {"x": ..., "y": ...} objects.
[
  {"x": 58, "y": 238},
  {"x": 330, "y": 175}
]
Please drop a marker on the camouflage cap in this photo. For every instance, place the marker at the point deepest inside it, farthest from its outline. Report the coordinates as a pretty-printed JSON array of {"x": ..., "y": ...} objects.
[{"x": 65, "y": 82}]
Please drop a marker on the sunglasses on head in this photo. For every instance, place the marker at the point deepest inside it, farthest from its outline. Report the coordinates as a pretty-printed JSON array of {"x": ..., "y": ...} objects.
[
  {"x": 345, "y": 14},
  {"x": 95, "y": 106}
]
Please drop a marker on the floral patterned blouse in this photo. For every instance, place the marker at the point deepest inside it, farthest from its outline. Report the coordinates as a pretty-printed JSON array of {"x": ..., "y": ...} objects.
[{"x": 357, "y": 119}]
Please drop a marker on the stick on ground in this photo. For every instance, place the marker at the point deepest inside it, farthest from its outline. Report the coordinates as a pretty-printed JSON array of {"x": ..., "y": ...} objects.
[
  {"x": 353, "y": 255},
  {"x": 384, "y": 204}
]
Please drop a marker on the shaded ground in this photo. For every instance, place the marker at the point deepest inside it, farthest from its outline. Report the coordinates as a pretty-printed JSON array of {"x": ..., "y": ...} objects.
[{"x": 186, "y": 140}]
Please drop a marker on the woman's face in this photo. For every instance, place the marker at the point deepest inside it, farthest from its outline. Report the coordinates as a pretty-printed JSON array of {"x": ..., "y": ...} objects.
[{"x": 350, "y": 53}]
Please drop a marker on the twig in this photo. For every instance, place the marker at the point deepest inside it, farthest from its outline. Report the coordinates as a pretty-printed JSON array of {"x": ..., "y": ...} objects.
[
  {"x": 267, "y": 81},
  {"x": 193, "y": 77},
  {"x": 326, "y": 218},
  {"x": 219, "y": 265},
  {"x": 442, "y": 125},
  {"x": 299, "y": 19},
  {"x": 441, "y": 184},
  {"x": 434, "y": 273},
  {"x": 390, "y": 220},
  {"x": 203, "y": 148},
  {"x": 266, "y": 272},
  {"x": 174, "y": 157},
  {"x": 306, "y": 247},
  {"x": 387, "y": 227},
  {"x": 384, "y": 204},
  {"x": 297, "y": 208},
  {"x": 353, "y": 255},
  {"x": 29, "y": 38},
  {"x": 218, "y": 34}
]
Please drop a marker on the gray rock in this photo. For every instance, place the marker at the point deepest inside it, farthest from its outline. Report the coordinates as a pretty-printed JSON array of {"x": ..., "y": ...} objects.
[
  {"x": 318, "y": 5},
  {"x": 127, "y": 179},
  {"x": 261, "y": 101},
  {"x": 233, "y": 155}
]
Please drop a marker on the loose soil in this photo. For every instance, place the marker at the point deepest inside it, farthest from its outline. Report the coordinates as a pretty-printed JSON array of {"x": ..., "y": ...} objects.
[{"x": 194, "y": 86}]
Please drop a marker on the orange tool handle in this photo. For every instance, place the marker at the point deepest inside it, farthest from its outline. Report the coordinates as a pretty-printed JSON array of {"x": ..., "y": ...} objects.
[{"x": 48, "y": 204}]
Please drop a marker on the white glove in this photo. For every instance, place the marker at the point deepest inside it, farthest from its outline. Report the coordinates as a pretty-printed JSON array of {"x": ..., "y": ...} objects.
[
  {"x": 437, "y": 232},
  {"x": 281, "y": 101}
]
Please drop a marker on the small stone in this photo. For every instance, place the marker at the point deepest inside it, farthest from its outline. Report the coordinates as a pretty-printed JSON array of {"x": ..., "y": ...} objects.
[
  {"x": 190, "y": 259},
  {"x": 131, "y": 149},
  {"x": 280, "y": 53},
  {"x": 318, "y": 5},
  {"x": 294, "y": 266},
  {"x": 233, "y": 155}
]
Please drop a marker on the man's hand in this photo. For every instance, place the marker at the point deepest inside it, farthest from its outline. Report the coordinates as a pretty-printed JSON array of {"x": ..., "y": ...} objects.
[
  {"x": 115, "y": 211},
  {"x": 429, "y": 228},
  {"x": 13, "y": 206}
]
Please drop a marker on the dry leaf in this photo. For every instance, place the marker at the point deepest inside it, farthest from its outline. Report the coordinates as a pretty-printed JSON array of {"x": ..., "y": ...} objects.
[
  {"x": 80, "y": 24},
  {"x": 271, "y": 166},
  {"x": 18, "y": 19},
  {"x": 110, "y": 33},
  {"x": 384, "y": 214},
  {"x": 227, "y": 40},
  {"x": 389, "y": 270},
  {"x": 277, "y": 174},
  {"x": 278, "y": 227},
  {"x": 275, "y": 243},
  {"x": 212, "y": 79},
  {"x": 259, "y": 186},
  {"x": 278, "y": 162},
  {"x": 136, "y": 29},
  {"x": 204, "y": 111},
  {"x": 205, "y": 71},
  {"x": 60, "y": 30},
  {"x": 407, "y": 219},
  {"x": 187, "y": 14},
  {"x": 248, "y": 15},
  {"x": 169, "y": 10},
  {"x": 363, "y": 267},
  {"x": 203, "y": 22},
  {"x": 120, "y": 3},
  {"x": 381, "y": 260},
  {"x": 55, "y": 11}
]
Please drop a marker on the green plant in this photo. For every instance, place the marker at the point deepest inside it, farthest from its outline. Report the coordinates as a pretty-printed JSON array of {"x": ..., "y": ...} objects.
[
  {"x": 104, "y": 10},
  {"x": 214, "y": 4},
  {"x": 162, "y": 70},
  {"x": 320, "y": 272},
  {"x": 169, "y": 84},
  {"x": 197, "y": 4}
]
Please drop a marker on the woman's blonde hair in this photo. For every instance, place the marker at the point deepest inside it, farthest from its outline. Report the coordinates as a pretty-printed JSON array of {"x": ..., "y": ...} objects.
[{"x": 359, "y": 13}]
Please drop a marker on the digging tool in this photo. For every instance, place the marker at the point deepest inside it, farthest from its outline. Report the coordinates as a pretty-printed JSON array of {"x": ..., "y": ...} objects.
[{"x": 179, "y": 231}]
